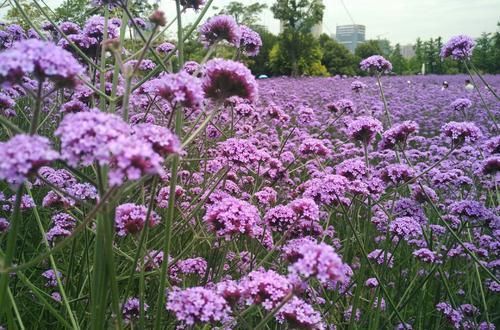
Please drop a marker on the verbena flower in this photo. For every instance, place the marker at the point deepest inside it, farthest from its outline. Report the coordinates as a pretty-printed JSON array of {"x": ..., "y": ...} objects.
[
  {"x": 250, "y": 41},
  {"x": 86, "y": 136},
  {"x": 131, "y": 309},
  {"x": 300, "y": 315},
  {"x": 225, "y": 78},
  {"x": 195, "y": 4},
  {"x": 23, "y": 155},
  {"x": 364, "y": 129},
  {"x": 198, "y": 305},
  {"x": 461, "y": 104},
  {"x": 458, "y": 48},
  {"x": 461, "y": 132},
  {"x": 42, "y": 59},
  {"x": 266, "y": 288},
  {"x": 319, "y": 261},
  {"x": 398, "y": 134},
  {"x": 376, "y": 63},
  {"x": 179, "y": 89},
  {"x": 163, "y": 141},
  {"x": 130, "y": 219},
  {"x": 219, "y": 28}
]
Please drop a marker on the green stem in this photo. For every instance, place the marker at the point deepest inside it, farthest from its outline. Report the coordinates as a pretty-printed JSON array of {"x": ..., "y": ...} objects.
[
  {"x": 38, "y": 108},
  {"x": 168, "y": 226},
  {"x": 6, "y": 260},
  {"x": 386, "y": 108},
  {"x": 180, "y": 37}
]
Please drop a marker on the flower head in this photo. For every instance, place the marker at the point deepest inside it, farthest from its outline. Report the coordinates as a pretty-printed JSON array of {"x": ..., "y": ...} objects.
[
  {"x": 225, "y": 78},
  {"x": 458, "y": 48},
  {"x": 131, "y": 218},
  {"x": 43, "y": 60},
  {"x": 376, "y": 63},
  {"x": 23, "y": 155},
  {"x": 250, "y": 41},
  {"x": 198, "y": 305},
  {"x": 364, "y": 129},
  {"x": 460, "y": 132},
  {"x": 178, "y": 89},
  {"x": 218, "y": 28}
]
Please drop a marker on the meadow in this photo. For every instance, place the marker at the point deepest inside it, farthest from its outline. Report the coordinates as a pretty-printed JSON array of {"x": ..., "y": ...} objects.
[{"x": 141, "y": 190}]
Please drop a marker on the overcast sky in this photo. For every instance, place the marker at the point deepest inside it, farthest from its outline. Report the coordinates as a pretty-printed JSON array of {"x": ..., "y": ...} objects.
[{"x": 397, "y": 20}]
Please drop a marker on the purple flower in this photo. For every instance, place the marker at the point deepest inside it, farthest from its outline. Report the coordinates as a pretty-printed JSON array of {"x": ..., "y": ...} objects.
[
  {"x": 69, "y": 28},
  {"x": 145, "y": 65},
  {"x": 376, "y": 63},
  {"x": 426, "y": 255},
  {"x": 195, "y": 4},
  {"x": 218, "y": 28},
  {"x": 342, "y": 106},
  {"x": 23, "y": 155},
  {"x": 163, "y": 141},
  {"x": 491, "y": 165},
  {"x": 453, "y": 316},
  {"x": 191, "y": 67},
  {"x": 382, "y": 257},
  {"x": 130, "y": 219},
  {"x": 267, "y": 288},
  {"x": 461, "y": 104},
  {"x": 319, "y": 261},
  {"x": 372, "y": 282},
  {"x": 139, "y": 22},
  {"x": 406, "y": 228},
  {"x": 165, "y": 48},
  {"x": 86, "y": 136},
  {"x": 364, "y": 129},
  {"x": 164, "y": 193},
  {"x": 42, "y": 59},
  {"x": 192, "y": 266},
  {"x": 232, "y": 216},
  {"x": 398, "y": 134},
  {"x": 74, "y": 106},
  {"x": 198, "y": 305},
  {"x": 225, "y": 78},
  {"x": 179, "y": 89},
  {"x": 459, "y": 132},
  {"x": 300, "y": 315},
  {"x": 131, "y": 309},
  {"x": 4, "y": 225},
  {"x": 51, "y": 276},
  {"x": 327, "y": 190},
  {"x": 397, "y": 173},
  {"x": 250, "y": 41},
  {"x": 458, "y": 48},
  {"x": 315, "y": 147},
  {"x": 94, "y": 28},
  {"x": 280, "y": 218},
  {"x": 352, "y": 169},
  {"x": 357, "y": 86}
]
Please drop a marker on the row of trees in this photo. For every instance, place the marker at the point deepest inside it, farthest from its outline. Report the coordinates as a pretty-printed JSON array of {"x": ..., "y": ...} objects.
[{"x": 295, "y": 51}]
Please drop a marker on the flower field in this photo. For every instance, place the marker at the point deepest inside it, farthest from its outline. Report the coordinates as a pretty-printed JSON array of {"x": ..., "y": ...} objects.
[{"x": 142, "y": 190}]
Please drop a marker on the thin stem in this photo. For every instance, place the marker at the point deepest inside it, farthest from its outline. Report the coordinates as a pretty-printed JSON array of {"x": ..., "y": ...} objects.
[
  {"x": 386, "y": 108},
  {"x": 168, "y": 227},
  {"x": 6, "y": 260},
  {"x": 180, "y": 37},
  {"x": 38, "y": 108}
]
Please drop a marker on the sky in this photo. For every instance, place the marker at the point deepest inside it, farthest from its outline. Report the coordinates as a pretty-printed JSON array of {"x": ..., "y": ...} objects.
[{"x": 400, "y": 21}]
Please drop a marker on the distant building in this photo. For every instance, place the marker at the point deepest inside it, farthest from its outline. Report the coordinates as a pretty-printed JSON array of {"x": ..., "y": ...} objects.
[
  {"x": 350, "y": 35},
  {"x": 407, "y": 51}
]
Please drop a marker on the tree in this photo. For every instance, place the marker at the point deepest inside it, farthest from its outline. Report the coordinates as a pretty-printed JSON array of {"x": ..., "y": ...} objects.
[
  {"x": 297, "y": 18},
  {"x": 244, "y": 14},
  {"x": 307, "y": 60},
  {"x": 385, "y": 47},
  {"x": 399, "y": 63},
  {"x": 368, "y": 48},
  {"x": 73, "y": 10},
  {"x": 260, "y": 63},
  {"x": 14, "y": 15},
  {"x": 336, "y": 57}
]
